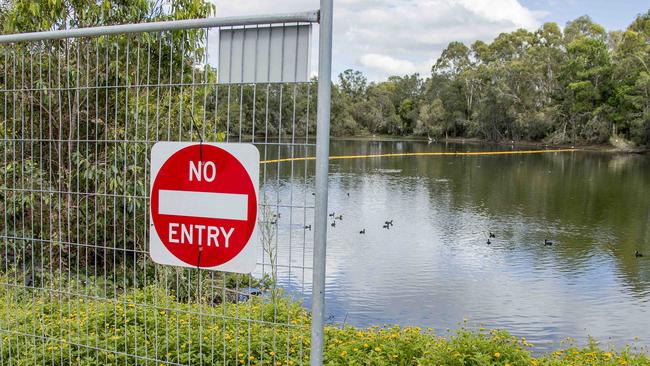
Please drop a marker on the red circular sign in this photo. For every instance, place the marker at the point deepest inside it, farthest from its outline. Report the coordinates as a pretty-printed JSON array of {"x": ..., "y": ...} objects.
[{"x": 195, "y": 181}]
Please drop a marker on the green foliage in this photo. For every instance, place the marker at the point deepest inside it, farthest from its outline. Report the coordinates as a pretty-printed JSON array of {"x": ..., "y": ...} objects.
[
  {"x": 580, "y": 85},
  {"x": 76, "y": 92},
  {"x": 182, "y": 332},
  {"x": 78, "y": 118},
  {"x": 431, "y": 120},
  {"x": 40, "y": 15},
  {"x": 119, "y": 326}
]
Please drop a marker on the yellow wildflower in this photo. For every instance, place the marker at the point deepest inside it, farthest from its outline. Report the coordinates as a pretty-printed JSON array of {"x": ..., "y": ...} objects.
[
  {"x": 497, "y": 354},
  {"x": 377, "y": 349}
]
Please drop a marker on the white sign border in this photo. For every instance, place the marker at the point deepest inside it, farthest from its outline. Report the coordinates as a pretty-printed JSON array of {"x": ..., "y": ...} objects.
[{"x": 249, "y": 156}]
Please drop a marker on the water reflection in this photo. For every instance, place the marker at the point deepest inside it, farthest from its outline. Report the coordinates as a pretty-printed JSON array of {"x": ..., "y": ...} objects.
[{"x": 433, "y": 268}]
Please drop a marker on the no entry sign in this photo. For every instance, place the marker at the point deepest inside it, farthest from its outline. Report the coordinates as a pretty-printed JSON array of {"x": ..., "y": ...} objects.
[{"x": 204, "y": 205}]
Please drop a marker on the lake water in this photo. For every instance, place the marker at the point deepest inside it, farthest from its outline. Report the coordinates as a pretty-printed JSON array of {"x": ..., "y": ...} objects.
[{"x": 434, "y": 268}]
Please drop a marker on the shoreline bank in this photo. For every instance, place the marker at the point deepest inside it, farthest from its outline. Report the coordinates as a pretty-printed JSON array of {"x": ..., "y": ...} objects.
[{"x": 608, "y": 148}]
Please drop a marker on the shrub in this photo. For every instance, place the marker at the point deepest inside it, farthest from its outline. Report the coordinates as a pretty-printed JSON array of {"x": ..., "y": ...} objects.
[{"x": 148, "y": 324}]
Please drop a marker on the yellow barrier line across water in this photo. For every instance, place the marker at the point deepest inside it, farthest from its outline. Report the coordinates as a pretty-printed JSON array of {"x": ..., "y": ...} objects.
[{"x": 468, "y": 153}]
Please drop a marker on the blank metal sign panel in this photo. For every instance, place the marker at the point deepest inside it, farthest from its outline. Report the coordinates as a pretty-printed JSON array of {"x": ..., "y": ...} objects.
[{"x": 274, "y": 54}]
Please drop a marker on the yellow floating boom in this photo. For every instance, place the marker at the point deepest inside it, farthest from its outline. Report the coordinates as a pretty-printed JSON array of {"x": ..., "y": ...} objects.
[{"x": 440, "y": 153}]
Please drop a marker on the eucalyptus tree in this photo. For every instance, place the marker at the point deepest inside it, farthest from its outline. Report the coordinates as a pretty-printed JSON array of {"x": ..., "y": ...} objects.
[{"x": 630, "y": 100}]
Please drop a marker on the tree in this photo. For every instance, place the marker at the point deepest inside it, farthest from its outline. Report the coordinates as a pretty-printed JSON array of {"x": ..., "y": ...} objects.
[
  {"x": 93, "y": 89},
  {"x": 586, "y": 86},
  {"x": 453, "y": 60},
  {"x": 630, "y": 101},
  {"x": 584, "y": 27},
  {"x": 432, "y": 120},
  {"x": 353, "y": 83}
]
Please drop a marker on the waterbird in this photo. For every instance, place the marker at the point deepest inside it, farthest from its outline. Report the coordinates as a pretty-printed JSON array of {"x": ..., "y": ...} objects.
[
  {"x": 389, "y": 223},
  {"x": 307, "y": 227},
  {"x": 492, "y": 235},
  {"x": 362, "y": 231},
  {"x": 313, "y": 193},
  {"x": 339, "y": 217},
  {"x": 637, "y": 254},
  {"x": 348, "y": 194},
  {"x": 386, "y": 226},
  {"x": 332, "y": 214},
  {"x": 333, "y": 223},
  {"x": 547, "y": 242},
  {"x": 489, "y": 242}
]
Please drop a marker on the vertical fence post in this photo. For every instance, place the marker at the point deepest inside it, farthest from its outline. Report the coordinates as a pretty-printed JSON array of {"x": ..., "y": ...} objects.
[{"x": 322, "y": 168}]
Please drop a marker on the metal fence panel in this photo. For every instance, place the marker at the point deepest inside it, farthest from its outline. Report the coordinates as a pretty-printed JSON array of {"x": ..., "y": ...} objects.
[
  {"x": 79, "y": 113},
  {"x": 268, "y": 54}
]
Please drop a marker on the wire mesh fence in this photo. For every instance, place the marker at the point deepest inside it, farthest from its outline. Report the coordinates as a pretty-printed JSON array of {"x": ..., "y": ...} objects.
[{"x": 78, "y": 117}]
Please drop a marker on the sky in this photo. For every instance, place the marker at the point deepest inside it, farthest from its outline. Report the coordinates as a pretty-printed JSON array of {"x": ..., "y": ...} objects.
[{"x": 398, "y": 37}]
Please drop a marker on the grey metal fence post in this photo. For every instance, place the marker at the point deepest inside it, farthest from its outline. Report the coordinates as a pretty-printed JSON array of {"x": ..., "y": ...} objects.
[{"x": 322, "y": 168}]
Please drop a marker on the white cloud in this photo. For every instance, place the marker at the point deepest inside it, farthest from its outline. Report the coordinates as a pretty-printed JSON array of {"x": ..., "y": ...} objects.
[
  {"x": 387, "y": 64},
  {"x": 502, "y": 10},
  {"x": 384, "y": 37}
]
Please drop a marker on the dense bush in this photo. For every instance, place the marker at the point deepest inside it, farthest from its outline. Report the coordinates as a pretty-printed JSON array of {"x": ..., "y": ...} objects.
[
  {"x": 94, "y": 332},
  {"x": 79, "y": 117}
]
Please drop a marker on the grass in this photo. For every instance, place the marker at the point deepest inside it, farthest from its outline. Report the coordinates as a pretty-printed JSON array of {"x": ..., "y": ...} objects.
[{"x": 100, "y": 332}]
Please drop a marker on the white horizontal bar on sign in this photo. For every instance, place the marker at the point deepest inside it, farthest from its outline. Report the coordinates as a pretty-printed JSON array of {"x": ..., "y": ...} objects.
[{"x": 227, "y": 206}]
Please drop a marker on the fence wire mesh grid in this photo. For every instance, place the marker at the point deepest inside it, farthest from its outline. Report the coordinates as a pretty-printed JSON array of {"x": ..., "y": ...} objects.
[{"x": 78, "y": 118}]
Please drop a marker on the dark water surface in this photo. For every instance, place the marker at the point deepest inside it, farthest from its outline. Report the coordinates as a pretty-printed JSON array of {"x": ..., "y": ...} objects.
[{"x": 434, "y": 268}]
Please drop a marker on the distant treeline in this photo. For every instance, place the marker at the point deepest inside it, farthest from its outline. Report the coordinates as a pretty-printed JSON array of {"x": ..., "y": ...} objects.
[{"x": 577, "y": 85}]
